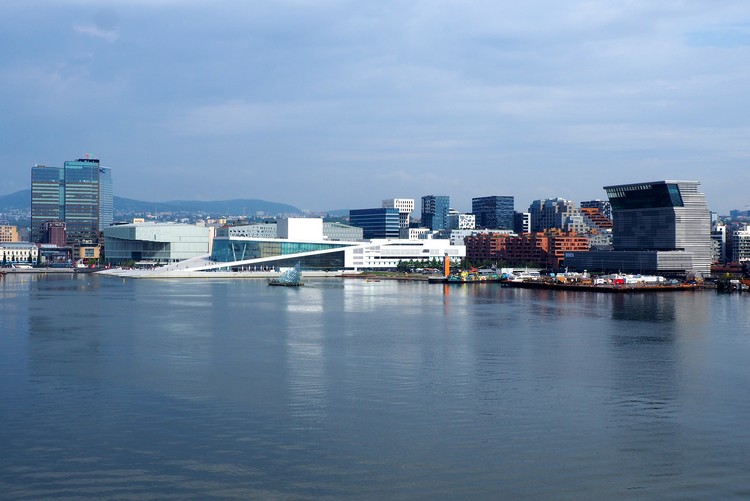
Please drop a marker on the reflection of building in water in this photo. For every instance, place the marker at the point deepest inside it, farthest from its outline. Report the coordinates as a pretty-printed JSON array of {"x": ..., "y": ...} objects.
[
  {"x": 305, "y": 328},
  {"x": 653, "y": 308}
]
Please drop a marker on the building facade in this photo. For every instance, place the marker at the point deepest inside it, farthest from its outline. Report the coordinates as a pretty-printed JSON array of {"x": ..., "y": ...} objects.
[
  {"x": 604, "y": 207},
  {"x": 160, "y": 243},
  {"x": 79, "y": 194},
  {"x": 495, "y": 212},
  {"x": 380, "y": 222},
  {"x": 552, "y": 213},
  {"x": 658, "y": 227},
  {"x": 543, "y": 249},
  {"x": 741, "y": 245},
  {"x": 8, "y": 234},
  {"x": 458, "y": 221},
  {"x": 47, "y": 198},
  {"x": 18, "y": 253},
  {"x": 405, "y": 207},
  {"x": 522, "y": 222},
  {"x": 435, "y": 210}
]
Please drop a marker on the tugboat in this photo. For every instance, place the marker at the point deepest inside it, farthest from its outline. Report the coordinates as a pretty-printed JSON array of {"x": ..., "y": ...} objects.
[{"x": 289, "y": 278}]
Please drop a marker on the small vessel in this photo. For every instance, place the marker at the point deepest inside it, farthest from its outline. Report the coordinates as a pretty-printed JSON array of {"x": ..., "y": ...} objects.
[{"x": 289, "y": 278}]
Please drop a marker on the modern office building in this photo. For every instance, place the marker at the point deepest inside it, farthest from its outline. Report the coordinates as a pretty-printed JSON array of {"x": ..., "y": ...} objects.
[
  {"x": 494, "y": 212},
  {"x": 405, "y": 207},
  {"x": 79, "y": 194},
  {"x": 522, "y": 222},
  {"x": 658, "y": 227},
  {"x": 106, "y": 198},
  {"x": 459, "y": 221},
  {"x": 435, "y": 210},
  {"x": 379, "y": 222},
  {"x": 47, "y": 198}
]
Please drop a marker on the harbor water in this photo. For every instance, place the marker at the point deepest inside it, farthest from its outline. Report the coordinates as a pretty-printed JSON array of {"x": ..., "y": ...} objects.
[{"x": 347, "y": 389}]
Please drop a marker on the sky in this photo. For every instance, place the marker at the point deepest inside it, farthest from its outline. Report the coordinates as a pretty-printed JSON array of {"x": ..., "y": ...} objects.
[{"x": 328, "y": 104}]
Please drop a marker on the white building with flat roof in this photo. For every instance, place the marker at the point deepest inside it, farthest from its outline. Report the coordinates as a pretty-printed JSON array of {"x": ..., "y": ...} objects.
[{"x": 156, "y": 242}]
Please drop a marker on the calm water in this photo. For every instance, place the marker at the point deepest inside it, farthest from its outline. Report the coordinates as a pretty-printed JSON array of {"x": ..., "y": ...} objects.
[{"x": 156, "y": 389}]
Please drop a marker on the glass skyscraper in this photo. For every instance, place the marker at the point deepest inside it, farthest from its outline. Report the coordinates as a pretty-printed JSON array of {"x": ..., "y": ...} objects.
[
  {"x": 380, "y": 222},
  {"x": 79, "y": 193},
  {"x": 494, "y": 212},
  {"x": 47, "y": 202},
  {"x": 435, "y": 210}
]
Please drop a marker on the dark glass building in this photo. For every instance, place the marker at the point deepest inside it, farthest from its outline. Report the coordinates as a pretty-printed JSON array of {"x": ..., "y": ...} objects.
[
  {"x": 79, "y": 194},
  {"x": 660, "y": 226},
  {"x": 495, "y": 212},
  {"x": 376, "y": 223},
  {"x": 47, "y": 202},
  {"x": 435, "y": 210}
]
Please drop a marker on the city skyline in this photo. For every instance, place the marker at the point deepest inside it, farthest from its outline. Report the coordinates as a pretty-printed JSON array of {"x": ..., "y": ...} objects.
[{"x": 325, "y": 104}]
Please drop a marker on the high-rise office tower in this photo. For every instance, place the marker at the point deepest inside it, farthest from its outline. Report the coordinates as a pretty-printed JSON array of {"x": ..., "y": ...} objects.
[
  {"x": 493, "y": 212},
  {"x": 47, "y": 203},
  {"x": 435, "y": 209},
  {"x": 106, "y": 198},
  {"x": 79, "y": 194}
]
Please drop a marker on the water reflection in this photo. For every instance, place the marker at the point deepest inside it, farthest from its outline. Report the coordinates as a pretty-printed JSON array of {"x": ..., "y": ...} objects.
[{"x": 304, "y": 325}]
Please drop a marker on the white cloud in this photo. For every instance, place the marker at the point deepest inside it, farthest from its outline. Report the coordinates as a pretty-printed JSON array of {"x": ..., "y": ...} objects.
[{"x": 96, "y": 32}]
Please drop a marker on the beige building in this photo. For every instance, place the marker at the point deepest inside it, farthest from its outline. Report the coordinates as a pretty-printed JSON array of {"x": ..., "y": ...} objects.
[{"x": 8, "y": 234}]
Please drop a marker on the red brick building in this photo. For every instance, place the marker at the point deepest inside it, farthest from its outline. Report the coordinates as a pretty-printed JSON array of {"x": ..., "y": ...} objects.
[{"x": 546, "y": 250}]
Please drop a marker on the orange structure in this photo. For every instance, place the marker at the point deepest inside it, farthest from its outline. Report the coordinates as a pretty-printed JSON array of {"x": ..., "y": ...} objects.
[
  {"x": 595, "y": 219},
  {"x": 486, "y": 247},
  {"x": 544, "y": 249}
]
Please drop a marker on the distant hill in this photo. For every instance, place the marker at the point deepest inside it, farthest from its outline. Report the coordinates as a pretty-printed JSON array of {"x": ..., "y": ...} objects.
[
  {"x": 240, "y": 207},
  {"x": 18, "y": 200},
  {"x": 237, "y": 207}
]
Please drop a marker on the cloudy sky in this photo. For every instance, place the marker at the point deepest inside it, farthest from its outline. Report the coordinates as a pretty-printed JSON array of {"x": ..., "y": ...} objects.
[{"x": 327, "y": 104}]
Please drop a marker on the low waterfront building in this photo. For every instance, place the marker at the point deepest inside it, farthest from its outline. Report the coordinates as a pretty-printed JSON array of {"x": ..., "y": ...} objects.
[
  {"x": 156, "y": 242},
  {"x": 485, "y": 247},
  {"x": 18, "y": 253},
  {"x": 544, "y": 249},
  {"x": 324, "y": 255}
]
